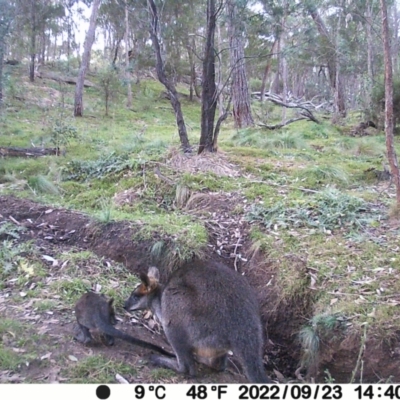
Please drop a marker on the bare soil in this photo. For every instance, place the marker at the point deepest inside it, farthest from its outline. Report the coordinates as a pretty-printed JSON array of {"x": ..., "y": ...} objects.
[{"x": 54, "y": 230}]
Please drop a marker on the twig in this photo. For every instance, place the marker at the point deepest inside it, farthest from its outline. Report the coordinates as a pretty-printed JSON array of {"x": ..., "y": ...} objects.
[
  {"x": 360, "y": 354},
  {"x": 307, "y": 190},
  {"x": 14, "y": 220},
  {"x": 344, "y": 294},
  {"x": 390, "y": 184},
  {"x": 234, "y": 251},
  {"x": 236, "y": 367},
  {"x": 144, "y": 176},
  {"x": 163, "y": 177}
]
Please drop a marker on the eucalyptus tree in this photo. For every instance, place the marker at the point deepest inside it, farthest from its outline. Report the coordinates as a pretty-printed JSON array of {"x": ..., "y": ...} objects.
[
  {"x": 6, "y": 16},
  {"x": 33, "y": 19},
  {"x": 90, "y": 36},
  {"x": 164, "y": 79},
  {"x": 391, "y": 153},
  {"x": 236, "y": 9},
  {"x": 111, "y": 19}
]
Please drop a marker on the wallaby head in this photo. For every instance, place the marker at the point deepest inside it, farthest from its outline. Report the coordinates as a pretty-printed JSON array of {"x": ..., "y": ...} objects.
[
  {"x": 205, "y": 310},
  {"x": 142, "y": 296},
  {"x": 94, "y": 311}
]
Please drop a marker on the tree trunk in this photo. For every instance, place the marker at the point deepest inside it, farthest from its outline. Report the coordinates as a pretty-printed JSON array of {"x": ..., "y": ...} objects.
[
  {"x": 368, "y": 18},
  {"x": 192, "y": 71},
  {"x": 240, "y": 90},
  {"x": 43, "y": 45},
  {"x": 266, "y": 71},
  {"x": 332, "y": 62},
  {"x": 209, "y": 92},
  {"x": 33, "y": 41},
  {"x": 87, "y": 47},
  {"x": 5, "y": 25},
  {"x": 219, "y": 72},
  {"x": 2, "y": 45},
  {"x": 274, "y": 86},
  {"x": 395, "y": 50},
  {"x": 389, "y": 125},
  {"x": 173, "y": 94},
  {"x": 128, "y": 74}
]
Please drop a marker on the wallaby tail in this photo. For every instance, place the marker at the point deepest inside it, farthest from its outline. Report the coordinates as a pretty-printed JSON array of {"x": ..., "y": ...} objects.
[{"x": 110, "y": 330}]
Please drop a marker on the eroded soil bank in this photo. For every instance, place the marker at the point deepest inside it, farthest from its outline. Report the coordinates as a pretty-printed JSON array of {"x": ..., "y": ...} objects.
[{"x": 54, "y": 230}]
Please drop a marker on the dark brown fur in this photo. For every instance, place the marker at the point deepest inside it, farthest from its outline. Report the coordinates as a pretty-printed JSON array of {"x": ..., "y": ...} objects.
[
  {"x": 94, "y": 311},
  {"x": 205, "y": 310}
]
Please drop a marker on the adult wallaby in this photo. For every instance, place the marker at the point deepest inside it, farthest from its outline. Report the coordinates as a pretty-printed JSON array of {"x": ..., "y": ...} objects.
[
  {"x": 94, "y": 311},
  {"x": 205, "y": 310}
]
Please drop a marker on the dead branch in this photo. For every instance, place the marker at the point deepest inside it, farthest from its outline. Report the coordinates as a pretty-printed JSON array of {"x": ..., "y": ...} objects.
[
  {"x": 305, "y": 106},
  {"x": 278, "y": 126},
  {"x": 28, "y": 152}
]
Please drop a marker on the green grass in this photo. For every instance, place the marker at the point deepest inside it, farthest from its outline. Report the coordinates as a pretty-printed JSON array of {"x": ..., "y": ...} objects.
[
  {"x": 97, "y": 369},
  {"x": 9, "y": 359},
  {"x": 11, "y": 327},
  {"x": 315, "y": 215},
  {"x": 316, "y": 175}
]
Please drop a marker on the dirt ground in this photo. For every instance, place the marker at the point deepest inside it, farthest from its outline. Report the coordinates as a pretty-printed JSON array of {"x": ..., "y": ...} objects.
[{"x": 56, "y": 230}]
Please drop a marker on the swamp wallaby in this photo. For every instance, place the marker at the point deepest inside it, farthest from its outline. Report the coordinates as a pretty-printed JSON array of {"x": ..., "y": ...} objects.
[
  {"x": 205, "y": 310},
  {"x": 94, "y": 311}
]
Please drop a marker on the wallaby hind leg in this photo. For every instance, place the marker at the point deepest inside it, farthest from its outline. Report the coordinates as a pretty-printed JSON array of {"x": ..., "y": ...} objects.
[
  {"x": 83, "y": 334},
  {"x": 184, "y": 362}
]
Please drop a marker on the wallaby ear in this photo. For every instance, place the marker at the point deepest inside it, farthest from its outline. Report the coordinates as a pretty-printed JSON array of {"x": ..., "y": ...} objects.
[
  {"x": 154, "y": 274},
  {"x": 110, "y": 302},
  {"x": 145, "y": 279}
]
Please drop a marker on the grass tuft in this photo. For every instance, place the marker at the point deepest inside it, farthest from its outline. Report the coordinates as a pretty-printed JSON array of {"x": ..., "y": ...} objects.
[{"x": 41, "y": 184}]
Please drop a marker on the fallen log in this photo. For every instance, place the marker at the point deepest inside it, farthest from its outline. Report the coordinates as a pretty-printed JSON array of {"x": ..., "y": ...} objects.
[
  {"x": 28, "y": 152},
  {"x": 66, "y": 79}
]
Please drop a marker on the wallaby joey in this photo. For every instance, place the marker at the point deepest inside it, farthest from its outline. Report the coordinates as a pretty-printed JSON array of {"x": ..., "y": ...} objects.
[
  {"x": 94, "y": 311},
  {"x": 205, "y": 310}
]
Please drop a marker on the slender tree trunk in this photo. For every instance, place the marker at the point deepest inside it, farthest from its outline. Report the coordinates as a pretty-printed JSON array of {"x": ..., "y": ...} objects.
[
  {"x": 43, "y": 45},
  {"x": 33, "y": 41},
  {"x": 5, "y": 25},
  {"x": 116, "y": 49},
  {"x": 219, "y": 73},
  {"x": 284, "y": 61},
  {"x": 332, "y": 61},
  {"x": 90, "y": 36},
  {"x": 173, "y": 94},
  {"x": 274, "y": 87},
  {"x": 69, "y": 34},
  {"x": 389, "y": 125},
  {"x": 240, "y": 90},
  {"x": 192, "y": 71},
  {"x": 209, "y": 93},
  {"x": 2, "y": 45},
  {"x": 127, "y": 72},
  {"x": 368, "y": 18},
  {"x": 395, "y": 52},
  {"x": 266, "y": 71}
]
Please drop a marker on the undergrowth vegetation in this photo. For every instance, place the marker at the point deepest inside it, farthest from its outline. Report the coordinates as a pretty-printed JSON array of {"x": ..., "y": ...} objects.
[
  {"x": 327, "y": 210},
  {"x": 311, "y": 195}
]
